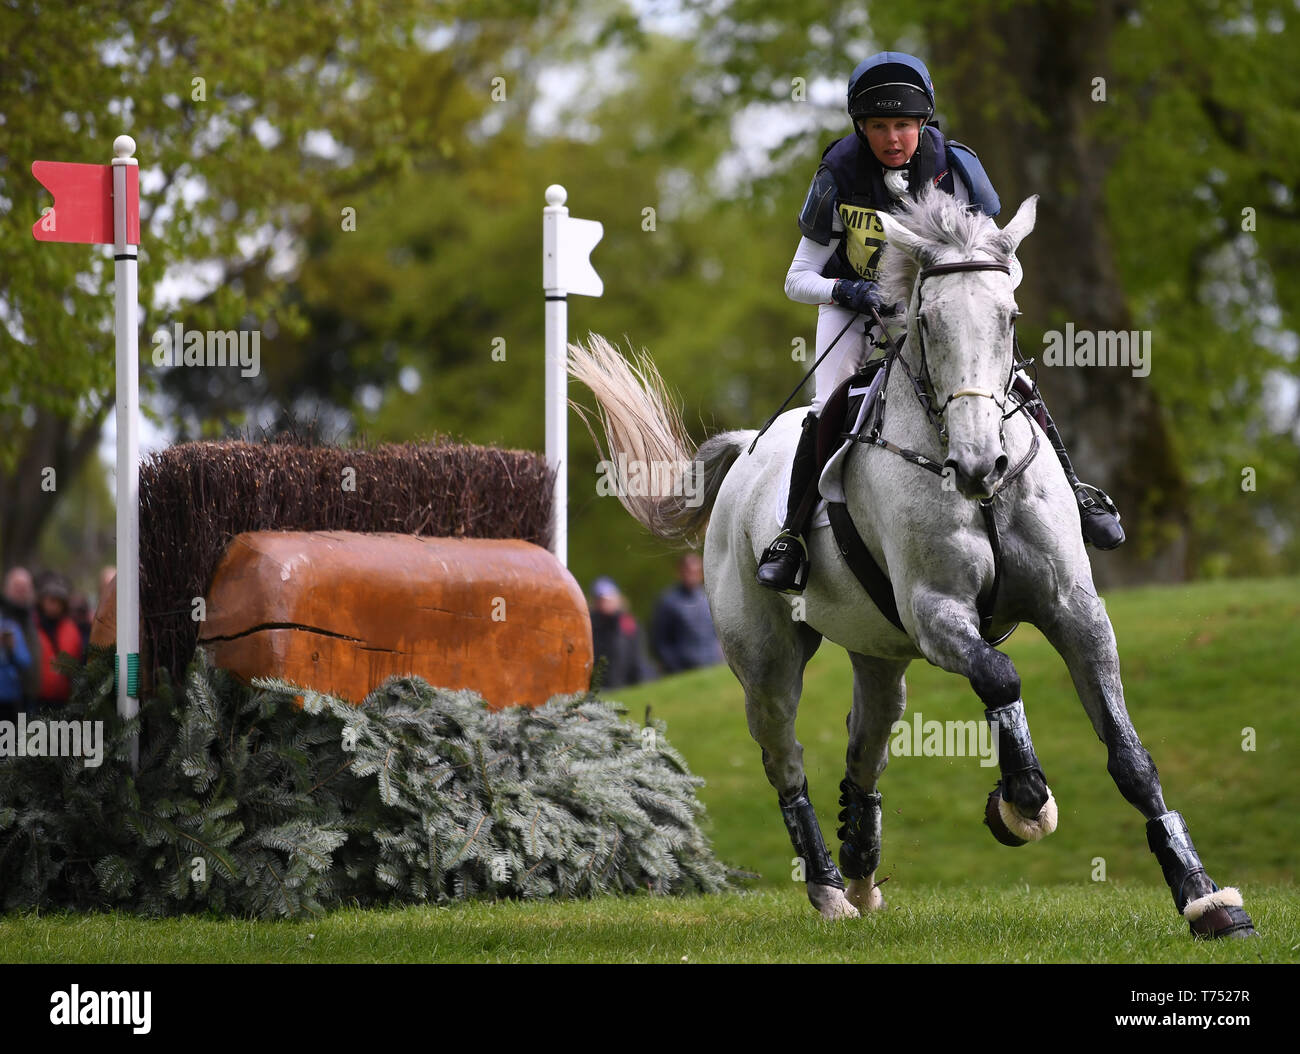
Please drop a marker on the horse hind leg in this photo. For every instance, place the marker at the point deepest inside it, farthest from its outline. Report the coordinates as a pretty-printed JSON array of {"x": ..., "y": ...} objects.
[
  {"x": 879, "y": 699},
  {"x": 771, "y": 673},
  {"x": 1082, "y": 633}
]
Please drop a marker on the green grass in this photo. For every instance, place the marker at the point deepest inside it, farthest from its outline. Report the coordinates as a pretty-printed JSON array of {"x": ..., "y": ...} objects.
[
  {"x": 954, "y": 924},
  {"x": 1200, "y": 663}
]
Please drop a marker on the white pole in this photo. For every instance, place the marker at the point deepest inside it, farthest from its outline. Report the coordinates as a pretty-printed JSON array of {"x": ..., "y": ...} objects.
[
  {"x": 557, "y": 347},
  {"x": 128, "y": 445}
]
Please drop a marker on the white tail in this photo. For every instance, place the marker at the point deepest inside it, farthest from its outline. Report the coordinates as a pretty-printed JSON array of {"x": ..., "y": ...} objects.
[{"x": 643, "y": 428}]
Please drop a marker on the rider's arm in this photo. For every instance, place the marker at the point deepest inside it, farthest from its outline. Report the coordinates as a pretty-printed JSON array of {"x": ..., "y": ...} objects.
[{"x": 804, "y": 283}]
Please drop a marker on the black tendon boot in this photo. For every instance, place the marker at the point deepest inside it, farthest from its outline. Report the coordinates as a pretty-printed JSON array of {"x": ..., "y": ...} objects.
[
  {"x": 1098, "y": 517},
  {"x": 784, "y": 564},
  {"x": 1209, "y": 910},
  {"x": 806, "y": 838},
  {"x": 860, "y": 833}
]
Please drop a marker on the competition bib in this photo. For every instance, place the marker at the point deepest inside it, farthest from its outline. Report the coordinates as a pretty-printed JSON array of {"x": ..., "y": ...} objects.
[{"x": 864, "y": 239}]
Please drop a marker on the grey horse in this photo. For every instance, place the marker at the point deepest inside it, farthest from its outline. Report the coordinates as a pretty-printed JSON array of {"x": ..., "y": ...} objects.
[{"x": 947, "y": 400}]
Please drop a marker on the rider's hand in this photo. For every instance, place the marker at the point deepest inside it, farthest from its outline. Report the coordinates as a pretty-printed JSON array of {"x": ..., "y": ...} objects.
[{"x": 857, "y": 294}]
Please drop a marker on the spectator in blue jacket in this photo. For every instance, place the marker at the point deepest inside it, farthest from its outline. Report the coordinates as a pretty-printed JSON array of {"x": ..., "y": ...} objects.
[
  {"x": 15, "y": 661},
  {"x": 682, "y": 631}
]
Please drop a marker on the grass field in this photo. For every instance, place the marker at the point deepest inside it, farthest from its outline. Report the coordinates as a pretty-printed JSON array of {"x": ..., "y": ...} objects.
[
  {"x": 927, "y": 924},
  {"x": 1201, "y": 663}
]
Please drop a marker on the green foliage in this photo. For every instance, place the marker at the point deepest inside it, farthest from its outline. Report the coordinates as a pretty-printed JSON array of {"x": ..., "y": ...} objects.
[{"x": 245, "y": 804}]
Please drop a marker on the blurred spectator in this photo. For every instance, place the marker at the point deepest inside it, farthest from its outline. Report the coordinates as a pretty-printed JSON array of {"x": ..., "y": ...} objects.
[
  {"x": 79, "y": 611},
  {"x": 18, "y": 602},
  {"x": 58, "y": 633},
  {"x": 616, "y": 636},
  {"x": 15, "y": 661},
  {"x": 682, "y": 630}
]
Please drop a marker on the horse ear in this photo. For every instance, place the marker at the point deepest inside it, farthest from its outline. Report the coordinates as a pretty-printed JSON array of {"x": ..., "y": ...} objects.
[
  {"x": 1021, "y": 223},
  {"x": 898, "y": 235}
]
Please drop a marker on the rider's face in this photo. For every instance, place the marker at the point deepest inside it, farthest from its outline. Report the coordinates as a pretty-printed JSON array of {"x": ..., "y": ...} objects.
[{"x": 892, "y": 139}]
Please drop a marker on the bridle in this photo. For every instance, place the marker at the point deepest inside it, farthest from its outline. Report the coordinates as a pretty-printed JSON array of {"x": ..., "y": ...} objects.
[{"x": 923, "y": 385}]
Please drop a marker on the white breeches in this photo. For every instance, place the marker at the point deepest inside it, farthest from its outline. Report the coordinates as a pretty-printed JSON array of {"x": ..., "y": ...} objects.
[{"x": 851, "y": 352}]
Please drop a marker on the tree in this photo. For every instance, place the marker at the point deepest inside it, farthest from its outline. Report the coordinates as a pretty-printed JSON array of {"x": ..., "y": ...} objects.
[{"x": 252, "y": 123}]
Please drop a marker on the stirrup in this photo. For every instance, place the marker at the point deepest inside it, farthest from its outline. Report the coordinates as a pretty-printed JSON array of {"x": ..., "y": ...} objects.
[
  {"x": 1102, "y": 499},
  {"x": 778, "y": 556}
]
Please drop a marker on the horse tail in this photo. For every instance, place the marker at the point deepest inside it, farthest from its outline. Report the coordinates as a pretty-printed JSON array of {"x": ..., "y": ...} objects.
[{"x": 645, "y": 436}]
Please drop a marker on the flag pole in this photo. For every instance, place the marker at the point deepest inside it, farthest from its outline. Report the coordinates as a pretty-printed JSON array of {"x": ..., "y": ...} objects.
[
  {"x": 128, "y": 444},
  {"x": 566, "y": 268},
  {"x": 556, "y": 375}
]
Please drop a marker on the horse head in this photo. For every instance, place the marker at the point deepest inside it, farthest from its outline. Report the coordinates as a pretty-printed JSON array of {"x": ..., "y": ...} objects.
[{"x": 954, "y": 268}]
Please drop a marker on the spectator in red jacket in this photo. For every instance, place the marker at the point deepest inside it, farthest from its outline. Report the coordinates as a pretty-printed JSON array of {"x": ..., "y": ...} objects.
[{"x": 58, "y": 633}]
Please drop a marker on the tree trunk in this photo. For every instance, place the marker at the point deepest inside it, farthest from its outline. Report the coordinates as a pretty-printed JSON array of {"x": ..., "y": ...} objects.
[
  {"x": 1017, "y": 85},
  {"x": 53, "y": 443}
]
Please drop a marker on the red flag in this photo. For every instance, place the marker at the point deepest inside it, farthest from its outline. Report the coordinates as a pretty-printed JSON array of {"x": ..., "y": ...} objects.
[{"x": 83, "y": 203}]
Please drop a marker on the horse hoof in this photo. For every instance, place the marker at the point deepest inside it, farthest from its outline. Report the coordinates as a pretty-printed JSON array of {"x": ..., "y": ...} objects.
[
  {"x": 830, "y": 902},
  {"x": 994, "y": 822},
  {"x": 1218, "y": 914},
  {"x": 1016, "y": 826},
  {"x": 864, "y": 894}
]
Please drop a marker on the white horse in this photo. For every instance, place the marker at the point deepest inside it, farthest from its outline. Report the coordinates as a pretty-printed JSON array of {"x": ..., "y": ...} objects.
[{"x": 928, "y": 533}]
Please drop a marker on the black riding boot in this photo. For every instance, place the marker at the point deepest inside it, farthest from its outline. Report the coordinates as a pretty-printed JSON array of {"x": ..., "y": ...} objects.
[
  {"x": 784, "y": 564},
  {"x": 1098, "y": 517}
]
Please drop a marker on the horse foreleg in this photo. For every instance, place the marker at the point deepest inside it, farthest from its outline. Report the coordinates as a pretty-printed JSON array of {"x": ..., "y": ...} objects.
[
  {"x": 1082, "y": 633},
  {"x": 1021, "y": 808},
  {"x": 879, "y": 699}
]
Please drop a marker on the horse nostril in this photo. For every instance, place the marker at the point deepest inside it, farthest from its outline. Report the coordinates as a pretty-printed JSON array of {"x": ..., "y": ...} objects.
[{"x": 1000, "y": 465}]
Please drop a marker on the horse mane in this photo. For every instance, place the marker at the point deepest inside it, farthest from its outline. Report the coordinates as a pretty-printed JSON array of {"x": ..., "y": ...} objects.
[{"x": 942, "y": 223}]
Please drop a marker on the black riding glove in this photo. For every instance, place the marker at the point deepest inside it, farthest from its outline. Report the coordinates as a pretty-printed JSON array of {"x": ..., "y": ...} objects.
[{"x": 857, "y": 294}]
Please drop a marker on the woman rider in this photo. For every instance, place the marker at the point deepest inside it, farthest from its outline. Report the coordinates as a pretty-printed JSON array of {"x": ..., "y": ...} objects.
[{"x": 893, "y": 153}]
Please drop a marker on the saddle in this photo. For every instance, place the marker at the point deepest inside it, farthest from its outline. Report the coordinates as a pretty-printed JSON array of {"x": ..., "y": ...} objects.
[{"x": 841, "y": 411}]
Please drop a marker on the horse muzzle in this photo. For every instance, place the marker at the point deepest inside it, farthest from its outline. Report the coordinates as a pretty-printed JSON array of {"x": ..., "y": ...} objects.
[{"x": 977, "y": 477}]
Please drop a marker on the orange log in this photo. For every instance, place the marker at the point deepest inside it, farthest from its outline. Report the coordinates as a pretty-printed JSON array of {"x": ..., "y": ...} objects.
[{"x": 340, "y": 612}]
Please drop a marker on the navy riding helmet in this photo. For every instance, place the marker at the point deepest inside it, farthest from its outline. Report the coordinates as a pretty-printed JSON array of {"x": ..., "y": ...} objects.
[{"x": 890, "y": 84}]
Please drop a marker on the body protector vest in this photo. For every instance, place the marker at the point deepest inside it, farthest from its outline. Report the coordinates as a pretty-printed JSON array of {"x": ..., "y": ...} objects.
[{"x": 850, "y": 183}]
